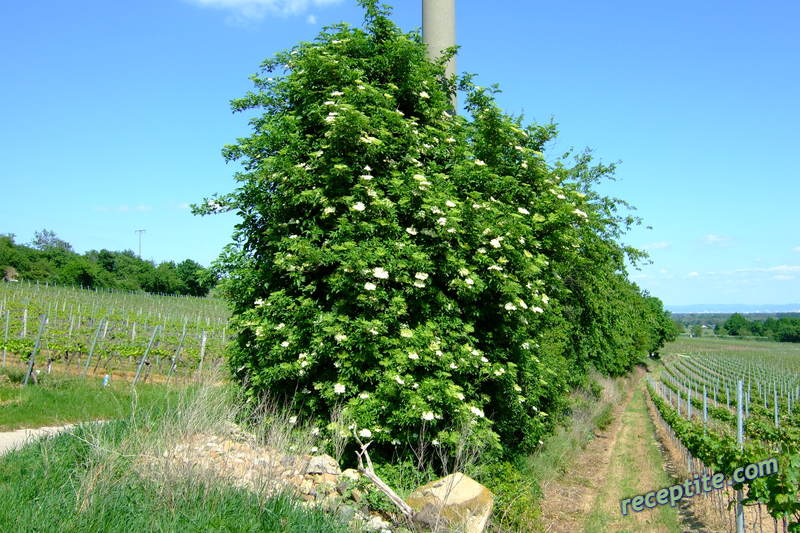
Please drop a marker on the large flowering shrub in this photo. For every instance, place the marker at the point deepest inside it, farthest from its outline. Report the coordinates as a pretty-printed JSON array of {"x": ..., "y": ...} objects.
[{"x": 399, "y": 262}]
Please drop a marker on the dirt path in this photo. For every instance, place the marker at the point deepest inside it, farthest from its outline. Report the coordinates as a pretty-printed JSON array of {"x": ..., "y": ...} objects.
[
  {"x": 624, "y": 460},
  {"x": 10, "y": 440},
  {"x": 636, "y": 467}
]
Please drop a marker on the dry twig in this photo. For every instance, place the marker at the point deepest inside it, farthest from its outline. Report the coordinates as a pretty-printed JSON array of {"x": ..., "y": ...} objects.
[{"x": 370, "y": 474}]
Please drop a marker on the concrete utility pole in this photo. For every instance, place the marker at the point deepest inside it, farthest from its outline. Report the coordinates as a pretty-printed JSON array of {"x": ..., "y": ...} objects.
[
  {"x": 140, "y": 231},
  {"x": 439, "y": 31}
]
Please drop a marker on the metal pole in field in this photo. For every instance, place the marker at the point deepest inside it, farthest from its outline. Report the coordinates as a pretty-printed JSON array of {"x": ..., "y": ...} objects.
[
  {"x": 775, "y": 402},
  {"x": 42, "y": 325},
  {"x": 439, "y": 32},
  {"x": 202, "y": 355},
  {"x": 740, "y": 440},
  {"x": 177, "y": 354},
  {"x": 91, "y": 350},
  {"x": 5, "y": 336},
  {"x": 144, "y": 355},
  {"x": 705, "y": 407}
]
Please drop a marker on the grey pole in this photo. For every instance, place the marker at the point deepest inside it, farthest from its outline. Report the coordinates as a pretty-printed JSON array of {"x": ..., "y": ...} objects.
[
  {"x": 144, "y": 355},
  {"x": 439, "y": 31},
  {"x": 140, "y": 231},
  {"x": 740, "y": 440},
  {"x": 5, "y": 339}
]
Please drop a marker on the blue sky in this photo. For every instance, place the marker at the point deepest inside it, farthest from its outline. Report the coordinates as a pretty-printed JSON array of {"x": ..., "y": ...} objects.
[{"x": 113, "y": 114}]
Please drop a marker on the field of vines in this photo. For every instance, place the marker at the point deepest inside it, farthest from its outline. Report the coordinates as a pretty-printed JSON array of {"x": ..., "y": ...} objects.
[
  {"x": 727, "y": 404},
  {"x": 132, "y": 336}
]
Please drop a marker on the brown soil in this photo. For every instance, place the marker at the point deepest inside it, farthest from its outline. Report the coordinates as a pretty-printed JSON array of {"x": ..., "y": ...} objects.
[{"x": 116, "y": 374}]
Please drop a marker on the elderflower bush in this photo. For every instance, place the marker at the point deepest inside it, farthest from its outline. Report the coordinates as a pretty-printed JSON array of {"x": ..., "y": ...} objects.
[{"x": 394, "y": 260}]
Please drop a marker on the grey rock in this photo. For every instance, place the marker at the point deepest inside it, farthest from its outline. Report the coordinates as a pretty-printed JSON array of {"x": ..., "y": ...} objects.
[
  {"x": 376, "y": 523},
  {"x": 323, "y": 464}
]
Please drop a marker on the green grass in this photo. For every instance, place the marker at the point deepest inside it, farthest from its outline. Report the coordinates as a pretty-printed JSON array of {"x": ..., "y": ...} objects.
[
  {"x": 60, "y": 400},
  {"x": 605, "y": 417},
  {"x": 70, "y": 484},
  {"x": 91, "y": 480},
  {"x": 767, "y": 353}
]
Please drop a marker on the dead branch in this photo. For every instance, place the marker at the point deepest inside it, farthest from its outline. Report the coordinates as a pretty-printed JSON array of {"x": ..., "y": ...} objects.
[{"x": 370, "y": 474}]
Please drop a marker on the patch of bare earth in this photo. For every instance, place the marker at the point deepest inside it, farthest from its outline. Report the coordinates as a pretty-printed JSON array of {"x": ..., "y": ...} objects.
[{"x": 567, "y": 500}]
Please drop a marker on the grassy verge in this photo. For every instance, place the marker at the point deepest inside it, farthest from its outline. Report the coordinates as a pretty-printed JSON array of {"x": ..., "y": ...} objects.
[
  {"x": 592, "y": 409},
  {"x": 93, "y": 480},
  {"x": 66, "y": 484},
  {"x": 60, "y": 400}
]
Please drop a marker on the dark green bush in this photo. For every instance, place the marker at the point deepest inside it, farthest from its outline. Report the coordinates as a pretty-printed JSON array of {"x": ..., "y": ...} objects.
[{"x": 420, "y": 271}]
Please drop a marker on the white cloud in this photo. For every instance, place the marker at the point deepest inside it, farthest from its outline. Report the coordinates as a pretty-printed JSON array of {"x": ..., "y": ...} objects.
[
  {"x": 657, "y": 245},
  {"x": 693, "y": 274},
  {"x": 785, "y": 268},
  {"x": 258, "y": 9},
  {"x": 796, "y": 248},
  {"x": 779, "y": 268},
  {"x": 783, "y": 277},
  {"x": 143, "y": 208},
  {"x": 715, "y": 240},
  {"x": 311, "y": 19}
]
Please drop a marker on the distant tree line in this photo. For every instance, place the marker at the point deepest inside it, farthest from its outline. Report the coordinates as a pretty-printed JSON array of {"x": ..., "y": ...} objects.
[
  {"x": 50, "y": 259},
  {"x": 785, "y": 329}
]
